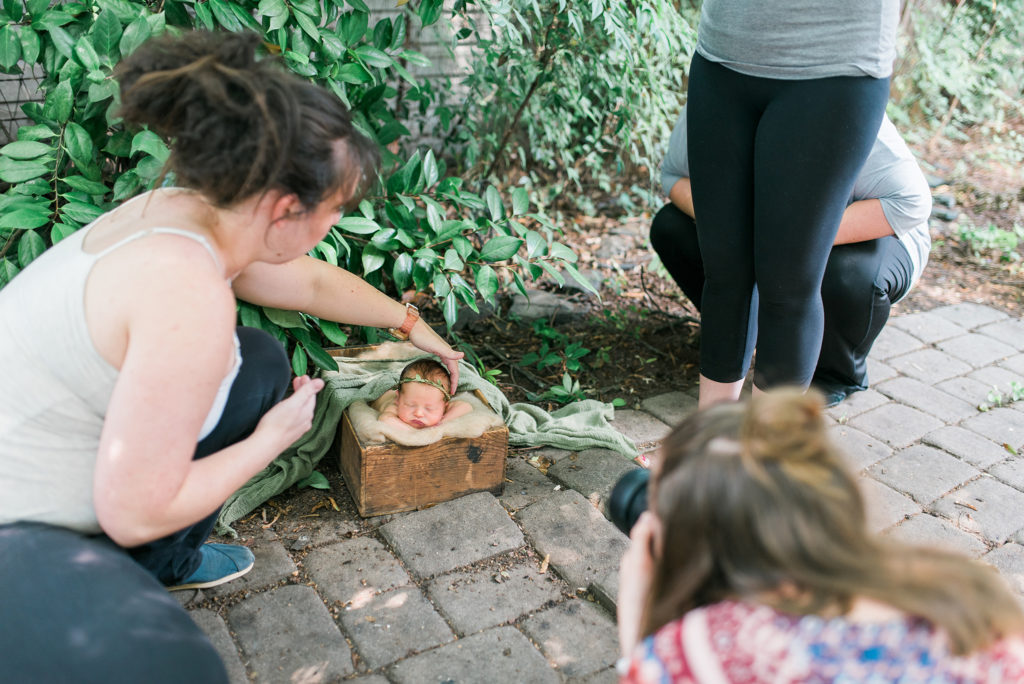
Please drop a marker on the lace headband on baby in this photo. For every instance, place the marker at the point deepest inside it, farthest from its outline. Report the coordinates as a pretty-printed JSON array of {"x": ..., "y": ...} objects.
[{"x": 425, "y": 381}]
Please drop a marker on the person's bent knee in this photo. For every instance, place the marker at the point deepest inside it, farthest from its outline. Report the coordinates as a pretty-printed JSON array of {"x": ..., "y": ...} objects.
[
  {"x": 78, "y": 607},
  {"x": 668, "y": 226},
  {"x": 264, "y": 360}
]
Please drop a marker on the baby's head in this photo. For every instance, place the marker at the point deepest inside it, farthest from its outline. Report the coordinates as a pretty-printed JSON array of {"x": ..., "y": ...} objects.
[{"x": 423, "y": 393}]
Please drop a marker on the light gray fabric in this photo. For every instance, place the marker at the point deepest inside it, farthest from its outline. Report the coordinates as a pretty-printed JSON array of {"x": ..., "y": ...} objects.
[
  {"x": 890, "y": 175},
  {"x": 56, "y": 388},
  {"x": 800, "y": 39}
]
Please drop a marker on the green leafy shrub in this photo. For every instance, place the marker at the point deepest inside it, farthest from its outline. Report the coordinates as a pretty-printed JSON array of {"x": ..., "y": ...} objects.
[{"x": 425, "y": 228}]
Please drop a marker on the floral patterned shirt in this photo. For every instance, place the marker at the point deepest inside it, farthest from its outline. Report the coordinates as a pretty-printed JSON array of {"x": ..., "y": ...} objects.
[{"x": 743, "y": 643}]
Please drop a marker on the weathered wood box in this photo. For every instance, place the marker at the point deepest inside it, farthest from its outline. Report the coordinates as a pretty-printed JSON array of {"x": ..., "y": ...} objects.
[{"x": 389, "y": 478}]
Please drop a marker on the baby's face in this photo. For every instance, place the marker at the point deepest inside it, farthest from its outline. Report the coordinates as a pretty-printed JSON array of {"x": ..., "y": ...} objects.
[{"x": 420, "y": 405}]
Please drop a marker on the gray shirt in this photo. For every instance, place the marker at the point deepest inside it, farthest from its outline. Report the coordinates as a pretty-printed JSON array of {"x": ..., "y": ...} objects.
[
  {"x": 800, "y": 39},
  {"x": 890, "y": 175}
]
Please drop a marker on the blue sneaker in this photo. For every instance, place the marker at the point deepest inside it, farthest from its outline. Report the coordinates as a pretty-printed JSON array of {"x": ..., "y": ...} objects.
[{"x": 221, "y": 563}]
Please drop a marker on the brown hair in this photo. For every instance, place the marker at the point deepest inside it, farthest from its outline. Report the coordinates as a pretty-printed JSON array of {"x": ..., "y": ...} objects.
[
  {"x": 754, "y": 499},
  {"x": 241, "y": 126},
  {"x": 428, "y": 369}
]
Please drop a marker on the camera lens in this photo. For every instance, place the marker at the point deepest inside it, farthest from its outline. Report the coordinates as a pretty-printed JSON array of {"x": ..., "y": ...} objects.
[{"x": 628, "y": 499}]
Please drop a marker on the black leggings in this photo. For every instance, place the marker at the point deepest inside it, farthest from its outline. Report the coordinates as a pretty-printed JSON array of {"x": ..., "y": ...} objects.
[
  {"x": 772, "y": 165},
  {"x": 77, "y": 608},
  {"x": 861, "y": 282}
]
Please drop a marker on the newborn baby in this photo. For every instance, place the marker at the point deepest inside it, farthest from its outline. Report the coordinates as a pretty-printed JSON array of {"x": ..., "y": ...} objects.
[{"x": 423, "y": 397}]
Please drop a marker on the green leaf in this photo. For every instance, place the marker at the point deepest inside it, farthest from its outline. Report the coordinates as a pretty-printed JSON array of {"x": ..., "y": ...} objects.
[
  {"x": 320, "y": 357},
  {"x": 150, "y": 142},
  {"x": 61, "y": 231},
  {"x": 315, "y": 480},
  {"x": 487, "y": 283},
  {"x": 105, "y": 89},
  {"x": 86, "y": 54},
  {"x": 135, "y": 34},
  {"x": 85, "y": 185},
  {"x": 358, "y": 225},
  {"x": 430, "y": 172},
  {"x": 24, "y": 219},
  {"x": 401, "y": 271},
  {"x": 273, "y": 8},
  {"x": 78, "y": 144},
  {"x": 20, "y": 171},
  {"x": 284, "y": 317},
  {"x": 10, "y": 47},
  {"x": 429, "y": 11},
  {"x": 333, "y": 332},
  {"x": 25, "y": 149},
  {"x": 36, "y": 8},
  {"x": 59, "y": 102},
  {"x": 450, "y": 308},
  {"x": 372, "y": 259},
  {"x": 500, "y": 248},
  {"x": 520, "y": 201},
  {"x": 494, "y": 203},
  {"x": 80, "y": 212},
  {"x": 13, "y": 9},
  {"x": 373, "y": 56},
  {"x": 359, "y": 5},
  {"x": 560, "y": 251},
  {"x": 353, "y": 72},
  {"x": 206, "y": 17},
  {"x": 126, "y": 185},
  {"x": 8, "y": 269},
  {"x": 30, "y": 45},
  {"x": 35, "y": 132},
  {"x": 224, "y": 16},
  {"x": 106, "y": 32},
  {"x": 299, "y": 362},
  {"x": 452, "y": 260},
  {"x": 578, "y": 277},
  {"x": 307, "y": 25},
  {"x": 30, "y": 246}
]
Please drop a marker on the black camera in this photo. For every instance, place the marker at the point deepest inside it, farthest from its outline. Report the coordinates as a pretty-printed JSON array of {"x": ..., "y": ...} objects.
[{"x": 629, "y": 499}]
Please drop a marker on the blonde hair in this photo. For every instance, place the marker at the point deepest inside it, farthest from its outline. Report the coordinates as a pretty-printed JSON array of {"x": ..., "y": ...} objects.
[{"x": 755, "y": 498}]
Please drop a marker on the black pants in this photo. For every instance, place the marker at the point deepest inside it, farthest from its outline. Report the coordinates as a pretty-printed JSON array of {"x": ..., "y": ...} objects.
[
  {"x": 772, "y": 165},
  {"x": 860, "y": 284},
  {"x": 261, "y": 383}
]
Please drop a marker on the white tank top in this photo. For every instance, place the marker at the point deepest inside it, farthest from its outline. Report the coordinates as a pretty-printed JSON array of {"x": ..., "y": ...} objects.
[{"x": 56, "y": 387}]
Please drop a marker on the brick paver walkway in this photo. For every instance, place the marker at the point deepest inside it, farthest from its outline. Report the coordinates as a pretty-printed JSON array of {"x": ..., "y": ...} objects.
[{"x": 460, "y": 592}]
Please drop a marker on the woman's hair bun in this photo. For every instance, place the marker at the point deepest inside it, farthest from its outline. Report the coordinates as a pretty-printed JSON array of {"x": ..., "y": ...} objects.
[
  {"x": 784, "y": 424},
  {"x": 240, "y": 125}
]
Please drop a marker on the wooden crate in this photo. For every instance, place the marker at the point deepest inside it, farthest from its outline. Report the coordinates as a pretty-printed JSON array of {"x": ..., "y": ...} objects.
[{"x": 388, "y": 477}]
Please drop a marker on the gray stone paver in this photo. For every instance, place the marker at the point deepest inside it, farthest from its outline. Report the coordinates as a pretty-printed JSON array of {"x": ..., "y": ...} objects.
[
  {"x": 592, "y": 473},
  {"x": 885, "y": 506},
  {"x": 452, "y": 534},
  {"x": 498, "y": 656},
  {"x": 895, "y": 424},
  {"x": 644, "y": 429},
  {"x": 582, "y": 544},
  {"x": 934, "y": 532},
  {"x": 354, "y": 571},
  {"x": 966, "y": 445},
  {"x": 476, "y": 600},
  {"x": 927, "y": 326},
  {"x": 977, "y": 350},
  {"x": 394, "y": 624},
  {"x": 857, "y": 403},
  {"x": 859, "y": 449},
  {"x": 577, "y": 636},
  {"x": 1009, "y": 560},
  {"x": 1002, "y": 425},
  {"x": 671, "y": 407},
  {"x": 986, "y": 506},
  {"x": 1008, "y": 331},
  {"x": 214, "y": 628},
  {"x": 894, "y": 342},
  {"x": 452, "y": 594},
  {"x": 525, "y": 485},
  {"x": 917, "y": 394},
  {"x": 925, "y": 473},
  {"x": 287, "y": 629},
  {"x": 929, "y": 365},
  {"x": 970, "y": 315}
]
